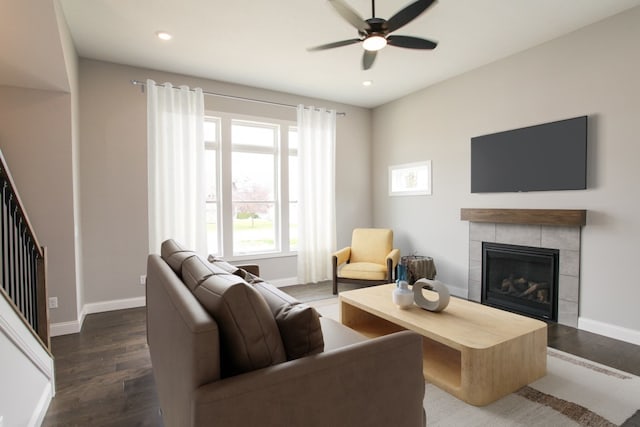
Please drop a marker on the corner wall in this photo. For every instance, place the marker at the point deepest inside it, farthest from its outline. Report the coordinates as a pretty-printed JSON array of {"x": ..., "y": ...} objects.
[
  {"x": 594, "y": 72},
  {"x": 35, "y": 137}
]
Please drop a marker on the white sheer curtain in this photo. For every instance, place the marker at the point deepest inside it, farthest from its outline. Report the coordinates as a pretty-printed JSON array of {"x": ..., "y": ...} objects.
[
  {"x": 316, "y": 222},
  {"x": 175, "y": 135}
]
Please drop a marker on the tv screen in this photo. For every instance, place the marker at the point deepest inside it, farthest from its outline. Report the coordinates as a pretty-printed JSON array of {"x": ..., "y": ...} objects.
[{"x": 551, "y": 156}]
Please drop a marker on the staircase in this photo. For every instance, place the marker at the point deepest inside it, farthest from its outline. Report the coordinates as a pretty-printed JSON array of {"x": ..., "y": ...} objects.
[{"x": 26, "y": 366}]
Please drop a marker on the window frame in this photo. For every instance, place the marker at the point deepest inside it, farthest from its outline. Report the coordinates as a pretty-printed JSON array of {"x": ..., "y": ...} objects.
[{"x": 225, "y": 150}]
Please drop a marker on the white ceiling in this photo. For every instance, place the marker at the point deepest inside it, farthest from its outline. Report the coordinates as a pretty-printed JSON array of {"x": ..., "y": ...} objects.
[{"x": 263, "y": 43}]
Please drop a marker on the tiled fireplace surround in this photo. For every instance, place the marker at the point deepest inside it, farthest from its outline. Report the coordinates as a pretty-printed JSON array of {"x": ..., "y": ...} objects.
[{"x": 566, "y": 238}]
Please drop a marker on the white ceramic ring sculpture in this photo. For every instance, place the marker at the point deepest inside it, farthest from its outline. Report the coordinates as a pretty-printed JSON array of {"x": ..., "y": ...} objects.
[{"x": 435, "y": 286}]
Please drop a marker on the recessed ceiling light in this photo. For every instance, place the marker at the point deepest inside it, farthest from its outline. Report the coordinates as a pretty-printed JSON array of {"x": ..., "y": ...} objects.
[
  {"x": 163, "y": 35},
  {"x": 367, "y": 83}
]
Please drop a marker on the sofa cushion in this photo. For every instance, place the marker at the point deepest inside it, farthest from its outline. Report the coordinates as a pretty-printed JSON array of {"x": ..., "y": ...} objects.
[
  {"x": 174, "y": 254},
  {"x": 196, "y": 270},
  {"x": 249, "y": 335},
  {"x": 299, "y": 324},
  {"x": 364, "y": 270},
  {"x": 240, "y": 272},
  {"x": 221, "y": 263}
]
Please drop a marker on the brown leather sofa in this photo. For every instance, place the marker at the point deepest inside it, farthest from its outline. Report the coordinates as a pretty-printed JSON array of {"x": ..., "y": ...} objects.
[{"x": 349, "y": 381}]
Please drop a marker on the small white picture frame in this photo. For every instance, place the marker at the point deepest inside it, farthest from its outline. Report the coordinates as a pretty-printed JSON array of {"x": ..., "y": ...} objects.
[{"x": 410, "y": 179}]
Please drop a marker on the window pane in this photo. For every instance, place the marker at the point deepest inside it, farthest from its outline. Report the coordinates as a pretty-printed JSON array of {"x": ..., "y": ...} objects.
[
  {"x": 293, "y": 139},
  {"x": 252, "y": 176},
  {"x": 252, "y": 134},
  {"x": 212, "y": 228},
  {"x": 211, "y": 130},
  {"x": 253, "y": 232},
  {"x": 211, "y": 171},
  {"x": 253, "y": 196}
]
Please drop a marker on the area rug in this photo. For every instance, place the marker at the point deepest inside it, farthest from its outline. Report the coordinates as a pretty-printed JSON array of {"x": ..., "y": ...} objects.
[{"x": 575, "y": 392}]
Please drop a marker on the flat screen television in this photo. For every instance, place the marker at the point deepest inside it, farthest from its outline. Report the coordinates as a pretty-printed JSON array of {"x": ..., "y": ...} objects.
[{"x": 546, "y": 157}]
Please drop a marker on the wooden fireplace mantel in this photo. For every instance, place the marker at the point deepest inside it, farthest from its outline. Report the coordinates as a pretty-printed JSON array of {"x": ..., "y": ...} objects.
[{"x": 560, "y": 217}]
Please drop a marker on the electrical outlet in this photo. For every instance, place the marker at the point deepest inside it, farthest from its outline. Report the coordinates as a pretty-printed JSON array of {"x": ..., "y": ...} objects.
[
  {"x": 143, "y": 279},
  {"x": 53, "y": 302}
]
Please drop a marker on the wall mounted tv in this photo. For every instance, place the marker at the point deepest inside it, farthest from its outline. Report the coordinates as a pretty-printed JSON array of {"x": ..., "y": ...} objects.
[{"x": 546, "y": 157}]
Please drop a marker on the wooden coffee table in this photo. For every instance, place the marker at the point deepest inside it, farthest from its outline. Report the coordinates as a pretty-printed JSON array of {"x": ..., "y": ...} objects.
[{"x": 474, "y": 352}]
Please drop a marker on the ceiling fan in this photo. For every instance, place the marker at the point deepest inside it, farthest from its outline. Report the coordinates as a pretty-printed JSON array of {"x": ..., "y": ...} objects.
[{"x": 375, "y": 33}]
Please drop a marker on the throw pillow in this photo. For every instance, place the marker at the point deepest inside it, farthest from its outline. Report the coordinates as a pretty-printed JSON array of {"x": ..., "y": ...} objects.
[
  {"x": 299, "y": 324},
  {"x": 240, "y": 272},
  {"x": 229, "y": 268},
  {"x": 249, "y": 335}
]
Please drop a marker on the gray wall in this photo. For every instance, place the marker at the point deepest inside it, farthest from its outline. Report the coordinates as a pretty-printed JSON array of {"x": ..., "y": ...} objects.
[
  {"x": 593, "y": 72},
  {"x": 113, "y": 171},
  {"x": 35, "y": 137},
  {"x": 38, "y": 135}
]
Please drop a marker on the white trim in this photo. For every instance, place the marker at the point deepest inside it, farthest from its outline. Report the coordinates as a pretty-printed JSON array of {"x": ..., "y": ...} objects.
[
  {"x": 40, "y": 411},
  {"x": 609, "y": 330},
  {"x": 11, "y": 325},
  {"x": 65, "y": 328},
  {"x": 118, "y": 304},
  {"x": 74, "y": 326}
]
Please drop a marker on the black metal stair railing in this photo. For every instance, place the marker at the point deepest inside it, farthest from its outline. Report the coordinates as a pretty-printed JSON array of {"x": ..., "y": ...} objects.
[{"x": 23, "y": 261}]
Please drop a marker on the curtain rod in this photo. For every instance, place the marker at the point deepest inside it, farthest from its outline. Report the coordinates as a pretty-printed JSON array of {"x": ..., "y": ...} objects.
[{"x": 240, "y": 98}]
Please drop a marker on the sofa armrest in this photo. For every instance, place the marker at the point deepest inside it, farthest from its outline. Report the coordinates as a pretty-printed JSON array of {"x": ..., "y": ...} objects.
[
  {"x": 377, "y": 382},
  {"x": 183, "y": 341},
  {"x": 251, "y": 268}
]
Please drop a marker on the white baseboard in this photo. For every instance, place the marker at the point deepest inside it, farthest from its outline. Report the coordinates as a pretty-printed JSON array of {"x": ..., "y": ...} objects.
[
  {"x": 609, "y": 330},
  {"x": 41, "y": 408},
  {"x": 118, "y": 304},
  {"x": 74, "y": 326},
  {"x": 280, "y": 283},
  {"x": 458, "y": 292},
  {"x": 65, "y": 328}
]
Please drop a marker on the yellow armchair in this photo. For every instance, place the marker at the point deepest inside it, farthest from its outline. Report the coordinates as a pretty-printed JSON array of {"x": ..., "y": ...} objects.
[{"x": 371, "y": 258}]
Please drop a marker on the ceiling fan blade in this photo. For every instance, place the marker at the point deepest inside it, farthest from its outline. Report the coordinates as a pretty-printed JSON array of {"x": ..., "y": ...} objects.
[
  {"x": 334, "y": 44},
  {"x": 411, "y": 42},
  {"x": 408, "y": 14},
  {"x": 368, "y": 58},
  {"x": 350, "y": 15}
]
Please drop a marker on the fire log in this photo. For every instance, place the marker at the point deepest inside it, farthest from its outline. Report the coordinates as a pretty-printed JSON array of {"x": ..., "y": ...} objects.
[{"x": 535, "y": 286}]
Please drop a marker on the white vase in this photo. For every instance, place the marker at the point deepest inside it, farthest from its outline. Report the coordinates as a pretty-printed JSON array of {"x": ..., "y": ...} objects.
[{"x": 402, "y": 295}]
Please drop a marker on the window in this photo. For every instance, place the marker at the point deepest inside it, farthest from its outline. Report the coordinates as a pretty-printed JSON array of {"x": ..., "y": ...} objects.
[{"x": 251, "y": 167}]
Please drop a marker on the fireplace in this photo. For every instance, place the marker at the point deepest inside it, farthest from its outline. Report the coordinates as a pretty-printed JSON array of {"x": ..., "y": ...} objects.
[{"x": 521, "y": 279}]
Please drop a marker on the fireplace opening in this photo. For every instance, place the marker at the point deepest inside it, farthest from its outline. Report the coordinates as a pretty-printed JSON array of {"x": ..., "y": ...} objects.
[{"x": 521, "y": 279}]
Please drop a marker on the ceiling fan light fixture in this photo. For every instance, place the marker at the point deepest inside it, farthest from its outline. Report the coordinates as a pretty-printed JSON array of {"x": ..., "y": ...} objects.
[{"x": 374, "y": 43}]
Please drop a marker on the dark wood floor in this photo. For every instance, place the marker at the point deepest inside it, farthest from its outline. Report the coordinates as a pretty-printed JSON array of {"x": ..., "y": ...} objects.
[
  {"x": 104, "y": 377},
  {"x": 103, "y": 374}
]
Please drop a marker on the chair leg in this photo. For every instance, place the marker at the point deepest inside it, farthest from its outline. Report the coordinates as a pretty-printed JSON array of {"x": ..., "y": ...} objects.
[{"x": 390, "y": 271}]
